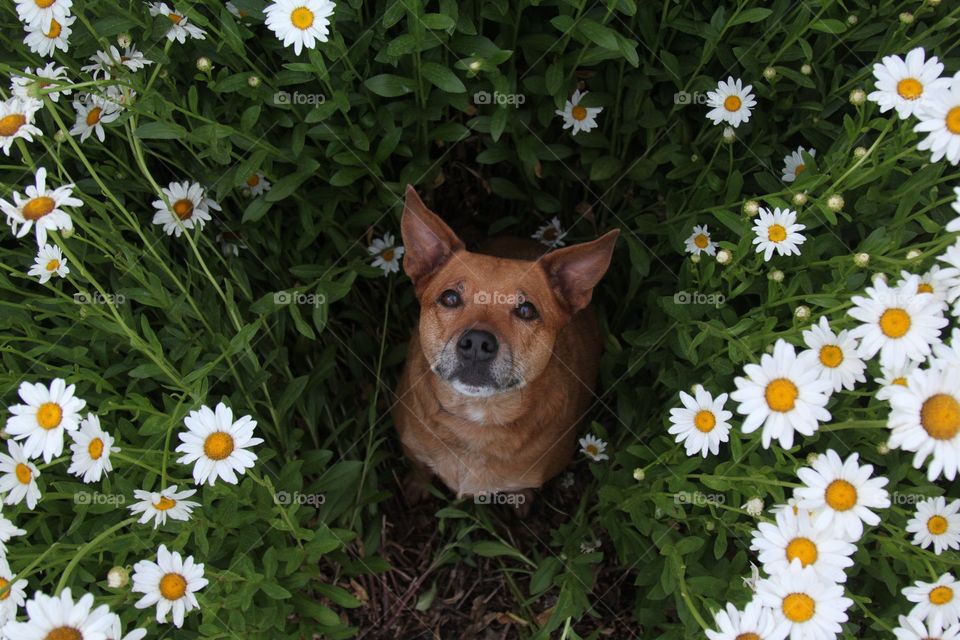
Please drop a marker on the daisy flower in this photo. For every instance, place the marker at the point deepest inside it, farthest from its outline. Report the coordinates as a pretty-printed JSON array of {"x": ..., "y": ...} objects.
[
  {"x": 954, "y": 225},
  {"x": 217, "y": 445},
  {"x": 936, "y": 523},
  {"x": 951, "y": 257},
  {"x": 925, "y": 418},
  {"x": 159, "y": 505},
  {"x": 116, "y": 631},
  {"x": 16, "y": 121},
  {"x": 702, "y": 423},
  {"x": 841, "y": 494},
  {"x": 301, "y": 23},
  {"x": 794, "y": 536},
  {"x": 19, "y": 479},
  {"x": 898, "y": 322},
  {"x": 936, "y": 602},
  {"x": 107, "y": 63},
  {"x": 45, "y": 41},
  {"x": 947, "y": 355},
  {"x": 940, "y": 117},
  {"x": 912, "y": 628},
  {"x": 91, "y": 449},
  {"x": 257, "y": 184},
  {"x": 805, "y": 606},
  {"x": 903, "y": 84},
  {"x": 699, "y": 242},
  {"x": 180, "y": 27},
  {"x": 778, "y": 231},
  {"x": 49, "y": 262},
  {"x": 50, "y": 617},
  {"x": 387, "y": 255},
  {"x": 92, "y": 114},
  {"x": 232, "y": 8},
  {"x": 755, "y": 621},
  {"x": 550, "y": 234},
  {"x": 794, "y": 164},
  {"x": 169, "y": 583},
  {"x": 937, "y": 281},
  {"x": 38, "y": 14},
  {"x": 593, "y": 447},
  {"x": 578, "y": 117},
  {"x": 835, "y": 355},
  {"x": 49, "y": 412},
  {"x": 33, "y": 84},
  {"x": 230, "y": 243},
  {"x": 732, "y": 102},
  {"x": 40, "y": 208},
  {"x": 783, "y": 394},
  {"x": 7, "y": 530},
  {"x": 892, "y": 377},
  {"x": 188, "y": 207},
  {"x": 15, "y": 595}
]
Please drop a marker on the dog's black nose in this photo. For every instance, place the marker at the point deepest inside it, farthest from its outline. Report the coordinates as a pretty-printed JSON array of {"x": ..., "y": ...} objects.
[{"x": 477, "y": 345}]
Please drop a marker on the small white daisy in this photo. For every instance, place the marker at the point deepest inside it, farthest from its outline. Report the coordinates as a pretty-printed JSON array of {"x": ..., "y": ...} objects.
[
  {"x": 232, "y": 8},
  {"x": 110, "y": 62},
  {"x": 794, "y": 536},
  {"x": 783, "y": 394},
  {"x": 954, "y": 225},
  {"x": 936, "y": 522},
  {"x": 38, "y": 14},
  {"x": 216, "y": 445},
  {"x": 754, "y": 622},
  {"x": 257, "y": 184},
  {"x": 891, "y": 376},
  {"x": 702, "y": 423},
  {"x": 903, "y": 84},
  {"x": 91, "y": 449},
  {"x": 40, "y": 208},
  {"x": 159, "y": 505},
  {"x": 593, "y": 447},
  {"x": 19, "y": 479},
  {"x": 230, "y": 243},
  {"x": 180, "y": 26},
  {"x": 912, "y": 628},
  {"x": 936, "y": 602},
  {"x": 805, "y": 607},
  {"x": 16, "y": 121},
  {"x": 794, "y": 164},
  {"x": 188, "y": 207},
  {"x": 116, "y": 631},
  {"x": 45, "y": 42},
  {"x": 937, "y": 281},
  {"x": 15, "y": 596},
  {"x": 940, "y": 118},
  {"x": 48, "y": 414},
  {"x": 92, "y": 114},
  {"x": 7, "y": 530},
  {"x": 387, "y": 255},
  {"x": 301, "y": 23},
  {"x": 170, "y": 583},
  {"x": 731, "y": 102},
  {"x": 945, "y": 355},
  {"x": 754, "y": 507},
  {"x": 550, "y": 234},
  {"x": 35, "y": 84},
  {"x": 835, "y": 355},
  {"x": 699, "y": 242},
  {"x": 59, "y": 617},
  {"x": 951, "y": 257},
  {"x": 578, "y": 117},
  {"x": 778, "y": 231},
  {"x": 49, "y": 262},
  {"x": 841, "y": 494}
]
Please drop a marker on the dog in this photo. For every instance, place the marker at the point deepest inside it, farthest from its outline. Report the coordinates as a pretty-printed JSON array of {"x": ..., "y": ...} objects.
[{"x": 502, "y": 366}]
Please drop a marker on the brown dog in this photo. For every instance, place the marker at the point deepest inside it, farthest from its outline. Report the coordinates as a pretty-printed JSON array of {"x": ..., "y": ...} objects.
[{"x": 503, "y": 365}]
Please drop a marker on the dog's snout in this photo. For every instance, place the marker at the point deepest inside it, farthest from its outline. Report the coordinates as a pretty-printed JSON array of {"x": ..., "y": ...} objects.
[{"x": 477, "y": 345}]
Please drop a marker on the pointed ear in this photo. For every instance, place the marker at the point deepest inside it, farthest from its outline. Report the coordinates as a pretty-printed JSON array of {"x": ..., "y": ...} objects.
[
  {"x": 575, "y": 271},
  {"x": 428, "y": 242}
]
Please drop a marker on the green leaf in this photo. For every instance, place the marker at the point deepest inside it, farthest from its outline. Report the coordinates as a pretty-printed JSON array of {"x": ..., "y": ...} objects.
[
  {"x": 160, "y": 131},
  {"x": 756, "y": 14},
  {"x": 442, "y": 78},
  {"x": 389, "y": 86}
]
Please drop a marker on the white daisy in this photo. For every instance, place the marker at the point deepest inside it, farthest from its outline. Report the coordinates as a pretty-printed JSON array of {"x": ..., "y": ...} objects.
[
  {"x": 699, "y": 242},
  {"x": 794, "y": 536},
  {"x": 947, "y": 355},
  {"x": 301, "y": 23},
  {"x": 116, "y": 631},
  {"x": 169, "y": 583},
  {"x": 732, "y": 102},
  {"x": 38, "y": 14},
  {"x": 187, "y": 206},
  {"x": 940, "y": 117},
  {"x": 936, "y": 522},
  {"x": 109, "y": 62},
  {"x": 794, "y": 164},
  {"x": 577, "y": 116},
  {"x": 232, "y": 8},
  {"x": 550, "y": 234},
  {"x": 784, "y": 393},
  {"x": 891, "y": 376},
  {"x": 925, "y": 418},
  {"x": 159, "y": 505},
  {"x": 257, "y": 184},
  {"x": 936, "y": 602},
  {"x": 91, "y": 449},
  {"x": 937, "y": 281},
  {"x": 16, "y": 121},
  {"x": 40, "y": 208},
  {"x": 230, "y": 243},
  {"x": 841, "y": 494},
  {"x": 49, "y": 412},
  {"x": 16, "y": 592},
  {"x": 180, "y": 27},
  {"x": 217, "y": 445},
  {"x": 7, "y": 530},
  {"x": 903, "y": 84},
  {"x": 92, "y": 114},
  {"x": 35, "y": 84},
  {"x": 19, "y": 479},
  {"x": 835, "y": 355},
  {"x": 912, "y": 628},
  {"x": 593, "y": 447},
  {"x": 805, "y": 607},
  {"x": 778, "y": 231},
  {"x": 951, "y": 257},
  {"x": 897, "y": 321},
  {"x": 49, "y": 262},
  {"x": 387, "y": 256},
  {"x": 954, "y": 225},
  {"x": 59, "y": 617},
  {"x": 755, "y": 622},
  {"x": 45, "y": 42},
  {"x": 702, "y": 424}
]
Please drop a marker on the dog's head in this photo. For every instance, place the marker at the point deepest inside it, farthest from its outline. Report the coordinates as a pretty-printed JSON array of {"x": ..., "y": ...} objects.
[{"x": 488, "y": 325}]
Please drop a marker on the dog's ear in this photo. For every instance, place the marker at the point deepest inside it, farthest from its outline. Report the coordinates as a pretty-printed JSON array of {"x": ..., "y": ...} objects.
[
  {"x": 428, "y": 242},
  {"x": 574, "y": 271}
]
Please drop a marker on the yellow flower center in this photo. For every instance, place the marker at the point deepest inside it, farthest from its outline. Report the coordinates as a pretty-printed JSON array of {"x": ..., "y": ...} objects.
[
  {"x": 218, "y": 445},
  {"x": 776, "y": 233},
  {"x": 253, "y": 180},
  {"x": 895, "y": 322},
  {"x": 64, "y": 633},
  {"x": 909, "y": 88},
  {"x": 55, "y": 29},
  {"x": 781, "y": 395},
  {"x": 302, "y": 18},
  {"x": 3, "y": 585},
  {"x": 53, "y": 265},
  {"x": 592, "y": 450},
  {"x": 38, "y": 207},
  {"x": 800, "y": 168},
  {"x": 578, "y": 112},
  {"x": 183, "y": 208},
  {"x": 164, "y": 504},
  {"x": 940, "y": 416},
  {"x": 937, "y": 525},
  {"x": 748, "y": 636},
  {"x": 23, "y": 473},
  {"x": 387, "y": 255},
  {"x": 49, "y": 415},
  {"x": 831, "y": 356},
  {"x": 841, "y": 495},
  {"x": 701, "y": 241},
  {"x": 923, "y": 287},
  {"x": 9, "y": 125},
  {"x": 704, "y": 421},
  {"x": 900, "y": 381},
  {"x": 93, "y": 116},
  {"x": 953, "y": 121},
  {"x": 802, "y": 548},
  {"x": 95, "y": 448},
  {"x": 732, "y": 103},
  {"x": 941, "y": 595},
  {"x": 175, "y": 18},
  {"x": 173, "y": 586},
  {"x": 43, "y": 4},
  {"x": 798, "y": 607}
]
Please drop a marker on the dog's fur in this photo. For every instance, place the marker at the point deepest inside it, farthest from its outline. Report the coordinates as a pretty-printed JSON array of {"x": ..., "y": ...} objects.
[{"x": 506, "y": 422}]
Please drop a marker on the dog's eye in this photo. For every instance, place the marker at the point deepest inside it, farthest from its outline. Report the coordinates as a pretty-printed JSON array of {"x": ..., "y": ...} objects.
[
  {"x": 450, "y": 299},
  {"x": 526, "y": 311}
]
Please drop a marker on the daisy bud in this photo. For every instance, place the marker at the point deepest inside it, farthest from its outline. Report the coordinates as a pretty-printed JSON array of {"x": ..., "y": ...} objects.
[
  {"x": 639, "y": 474},
  {"x": 751, "y": 207},
  {"x": 753, "y": 507},
  {"x": 204, "y": 65},
  {"x": 802, "y": 312},
  {"x": 254, "y": 81},
  {"x": 118, "y": 578},
  {"x": 877, "y": 278},
  {"x": 163, "y": 74},
  {"x": 124, "y": 40},
  {"x": 800, "y": 198},
  {"x": 776, "y": 275},
  {"x": 724, "y": 256},
  {"x": 694, "y": 158},
  {"x": 835, "y": 202},
  {"x": 906, "y": 17},
  {"x": 883, "y": 448},
  {"x": 806, "y": 69},
  {"x": 769, "y": 348},
  {"x": 861, "y": 259},
  {"x": 66, "y": 234},
  {"x": 476, "y": 65},
  {"x": 729, "y": 135},
  {"x": 852, "y": 19},
  {"x": 710, "y": 526},
  {"x": 695, "y": 258},
  {"x": 858, "y": 97},
  {"x": 769, "y": 73},
  {"x": 913, "y": 254},
  {"x": 859, "y": 152},
  {"x": 60, "y": 136}
]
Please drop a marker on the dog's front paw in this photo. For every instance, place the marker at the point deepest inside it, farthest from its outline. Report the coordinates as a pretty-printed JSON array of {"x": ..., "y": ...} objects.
[{"x": 415, "y": 487}]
